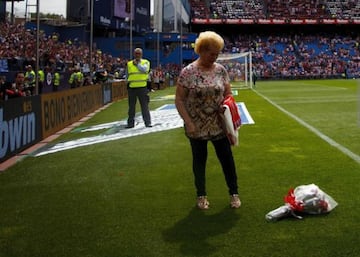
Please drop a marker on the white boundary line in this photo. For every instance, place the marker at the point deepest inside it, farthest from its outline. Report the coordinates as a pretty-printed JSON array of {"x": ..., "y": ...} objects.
[{"x": 327, "y": 139}]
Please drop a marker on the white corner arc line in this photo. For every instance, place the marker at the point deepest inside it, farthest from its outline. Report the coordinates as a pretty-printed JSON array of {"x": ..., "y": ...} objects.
[{"x": 327, "y": 139}]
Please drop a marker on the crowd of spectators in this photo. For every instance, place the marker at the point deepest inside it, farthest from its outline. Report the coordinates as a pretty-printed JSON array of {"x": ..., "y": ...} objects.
[
  {"x": 300, "y": 56},
  {"x": 340, "y": 9},
  {"x": 231, "y": 9},
  {"x": 268, "y": 9},
  {"x": 274, "y": 56},
  {"x": 18, "y": 47}
]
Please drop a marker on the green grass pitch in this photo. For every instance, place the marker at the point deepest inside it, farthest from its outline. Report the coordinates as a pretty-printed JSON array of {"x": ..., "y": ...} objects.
[{"x": 135, "y": 197}]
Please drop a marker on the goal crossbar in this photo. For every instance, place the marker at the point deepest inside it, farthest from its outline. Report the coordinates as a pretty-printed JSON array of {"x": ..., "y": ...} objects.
[{"x": 224, "y": 57}]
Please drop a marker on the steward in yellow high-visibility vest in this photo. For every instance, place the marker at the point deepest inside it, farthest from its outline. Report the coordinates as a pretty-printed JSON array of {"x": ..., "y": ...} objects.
[
  {"x": 41, "y": 81},
  {"x": 76, "y": 78},
  {"x": 138, "y": 73},
  {"x": 56, "y": 83},
  {"x": 137, "y": 77},
  {"x": 30, "y": 79}
]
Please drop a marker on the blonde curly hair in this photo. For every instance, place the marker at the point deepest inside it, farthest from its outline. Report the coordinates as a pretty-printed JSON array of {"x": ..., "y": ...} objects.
[{"x": 207, "y": 39}]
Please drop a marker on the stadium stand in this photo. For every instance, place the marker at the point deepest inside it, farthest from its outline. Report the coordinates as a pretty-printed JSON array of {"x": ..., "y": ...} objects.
[
  {"x": 290, "y": 52},
  {"x": 298, "y": 9},
  {"x": 349, "y": 9},
  {"x": 231, "y": 9},
  {"x": 18, "y": 49},
  {"x": 301, "y": 56},
  {"x": 199, "y": 9},
  {"x": 276, "y": 54}
]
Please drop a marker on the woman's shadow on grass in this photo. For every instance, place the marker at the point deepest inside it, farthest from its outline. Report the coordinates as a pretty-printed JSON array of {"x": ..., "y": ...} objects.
[{"x": 194, "y": 231}]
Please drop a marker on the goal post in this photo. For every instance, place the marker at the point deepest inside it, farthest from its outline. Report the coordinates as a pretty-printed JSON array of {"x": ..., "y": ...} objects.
[{"x": 239, "y": 67}]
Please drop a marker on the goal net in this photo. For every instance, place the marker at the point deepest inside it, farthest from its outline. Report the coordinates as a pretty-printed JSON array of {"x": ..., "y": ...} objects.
[{"x": 239, "y": 67}]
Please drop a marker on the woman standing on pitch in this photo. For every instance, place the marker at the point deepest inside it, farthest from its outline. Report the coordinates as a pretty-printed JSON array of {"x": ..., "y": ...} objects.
[{"x": 201, "y": 88}]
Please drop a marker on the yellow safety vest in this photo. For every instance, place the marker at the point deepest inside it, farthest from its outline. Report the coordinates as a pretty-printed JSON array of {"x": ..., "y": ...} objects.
[
  {"x": 41, "y": 75},
  {"x": 30, "y": 76},
  {"x": 56, "y": 79},
  {"x": 136, "y": 78}
]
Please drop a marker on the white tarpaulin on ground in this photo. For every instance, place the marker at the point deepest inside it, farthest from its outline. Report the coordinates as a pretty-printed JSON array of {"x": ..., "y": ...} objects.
[{"x": 164, "y": 118}]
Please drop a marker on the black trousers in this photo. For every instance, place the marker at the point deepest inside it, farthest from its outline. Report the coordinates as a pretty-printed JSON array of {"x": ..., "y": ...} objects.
[
  {"x": 141, "y": 94},
  {"x": 225, "y": 156}
]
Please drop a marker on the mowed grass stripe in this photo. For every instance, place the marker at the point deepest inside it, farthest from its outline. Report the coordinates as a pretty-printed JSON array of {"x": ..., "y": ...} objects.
[
  {"x": 327, "y": 139},
  {"x": 294, "y": 87},
  {"x": 302, "y": 106},
  {"x": 309, "y": 99}
]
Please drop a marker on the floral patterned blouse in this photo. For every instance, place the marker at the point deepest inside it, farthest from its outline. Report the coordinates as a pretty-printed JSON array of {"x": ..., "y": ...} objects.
[{"x": 204, "y": 95}]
